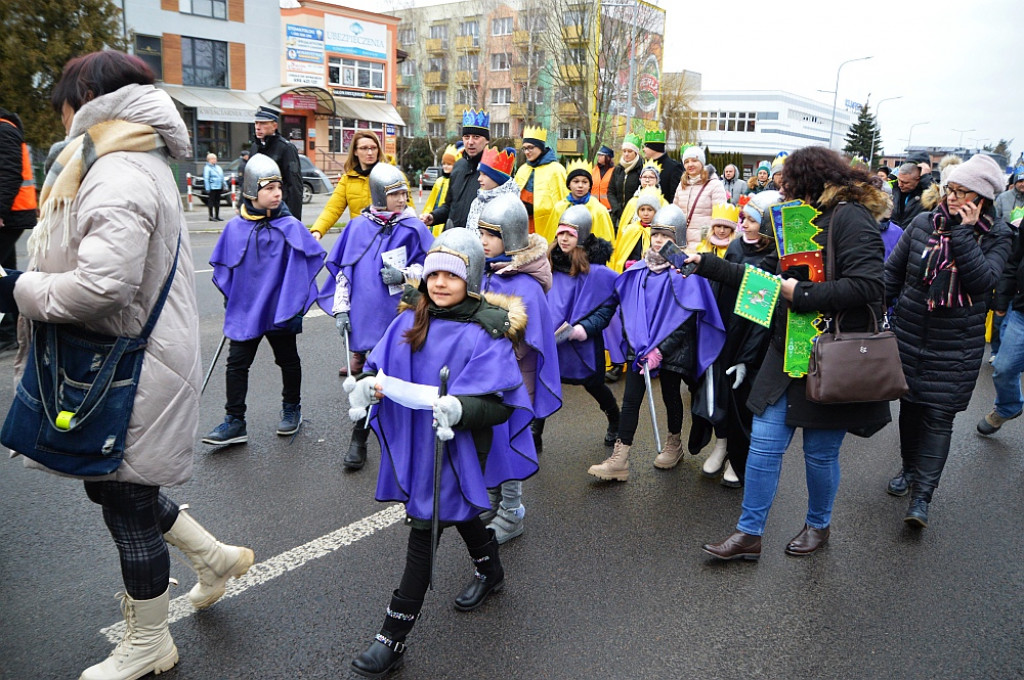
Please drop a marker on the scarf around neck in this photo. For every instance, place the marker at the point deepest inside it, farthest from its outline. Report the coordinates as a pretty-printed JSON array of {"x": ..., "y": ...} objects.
[
  {"x": 655, "y": 262},
  {"x": 628, "y": 166},
  {"x": 69, "y": 162},
  {"x": 939, "y": 272}
]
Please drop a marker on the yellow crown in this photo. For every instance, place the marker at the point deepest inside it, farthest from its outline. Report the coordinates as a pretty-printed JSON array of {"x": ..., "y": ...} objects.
[
  {"x": 655, "y": 165},
  {"x": 450, "y": 150},
  {"x": 725, "y": 211},
  {"x": 535, "y": 132},
  {"x": 579, "y": 164}
]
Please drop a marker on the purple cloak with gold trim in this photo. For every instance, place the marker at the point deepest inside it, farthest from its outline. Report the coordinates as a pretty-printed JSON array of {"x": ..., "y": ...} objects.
[
  {"x": 357, "y": 254},
  {"x": 267, "y": 271},
  {"x": 479, "y": 365},
  {"x": 654, "y": 305}
]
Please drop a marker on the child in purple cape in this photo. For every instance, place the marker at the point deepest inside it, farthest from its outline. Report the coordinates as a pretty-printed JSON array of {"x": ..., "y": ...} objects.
[
  {"x": 444, "y": 323},
  {"x": 265, "y": 263},
  {"x": 368, "y": 264},
  {"x": 582, "y": 302},
  {"x": 671, "y": 324},
  {"x": 517, "y": 264}
]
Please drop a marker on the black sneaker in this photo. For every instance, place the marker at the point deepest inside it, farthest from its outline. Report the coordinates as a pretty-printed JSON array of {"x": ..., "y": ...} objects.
[
  {"x": 291, "y": 419},
  {"x": 231, "y": 431}
]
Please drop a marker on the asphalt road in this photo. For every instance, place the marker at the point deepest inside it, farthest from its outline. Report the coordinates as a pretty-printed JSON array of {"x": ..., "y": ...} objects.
[{"x": 607, "y": 582}]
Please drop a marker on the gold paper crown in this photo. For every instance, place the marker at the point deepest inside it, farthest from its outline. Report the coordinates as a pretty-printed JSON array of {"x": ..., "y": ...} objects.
[
  {"x": 651, "y": 164},
  {"x": 450, "y": 150},
  {"x": 579, "y": 164},
  {"x": 725, "y": 211},
  {"x": 535, "y": 132}
]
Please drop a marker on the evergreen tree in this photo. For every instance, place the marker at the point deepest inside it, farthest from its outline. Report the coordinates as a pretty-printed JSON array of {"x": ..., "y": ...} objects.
[
  {"x": 863, "y": 132},
  {"x": 37, "y": 37}
]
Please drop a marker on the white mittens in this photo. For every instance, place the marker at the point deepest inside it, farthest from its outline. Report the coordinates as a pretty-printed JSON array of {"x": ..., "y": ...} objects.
[
  {"x": 447, "y": 413},
  {"x": 360, "y": 397}
]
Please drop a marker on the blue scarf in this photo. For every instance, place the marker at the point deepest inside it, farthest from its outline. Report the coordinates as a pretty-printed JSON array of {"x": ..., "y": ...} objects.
[{"x": 583, "y": 200}]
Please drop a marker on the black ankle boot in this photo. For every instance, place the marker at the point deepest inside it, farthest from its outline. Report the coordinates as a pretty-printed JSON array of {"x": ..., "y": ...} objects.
[
  {"x": 537, "y": 428},
  {"x": 613, "y": 426},
  {"x": 355, "y": 459},
  {"x": 917, "y": 513},
  {"x": 385, "y": 652},
  {"x": 489, "y": 576}
]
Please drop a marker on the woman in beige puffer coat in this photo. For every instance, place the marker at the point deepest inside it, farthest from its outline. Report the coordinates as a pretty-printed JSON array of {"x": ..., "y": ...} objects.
[
  {"x": 696, "y": 194},
  {"x": 111, "y": 219}
]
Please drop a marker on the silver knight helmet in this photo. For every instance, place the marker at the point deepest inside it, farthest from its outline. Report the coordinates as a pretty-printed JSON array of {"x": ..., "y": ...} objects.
[
  {"x": 385, "y": 179},
  {"x": 578, "y": 217},
  {"x": 260, "y": 171},
  {"x": 505, "y": 216}
]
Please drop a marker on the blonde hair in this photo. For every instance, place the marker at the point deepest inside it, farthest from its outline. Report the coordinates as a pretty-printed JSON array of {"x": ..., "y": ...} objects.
[{"x": 211, "y": 155}]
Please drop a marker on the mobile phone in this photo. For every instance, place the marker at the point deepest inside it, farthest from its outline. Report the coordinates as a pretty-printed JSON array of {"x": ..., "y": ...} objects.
[{"x": 677, "y": 258}]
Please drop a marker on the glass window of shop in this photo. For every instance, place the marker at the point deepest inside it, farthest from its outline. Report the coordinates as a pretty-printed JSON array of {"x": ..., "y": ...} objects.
[
  {"x": 366, "y": 75},
  {"x": 341, "y": 130}
]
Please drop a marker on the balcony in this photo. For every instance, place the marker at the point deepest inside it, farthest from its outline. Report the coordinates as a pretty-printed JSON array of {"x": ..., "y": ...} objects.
[
  {"x": 572, "y": 147},
  {"x": 574, "y": 34},
  {"x": 522, "y": 109},
  {"x": 467, "y": 77},
  {"x": 520, "y": 74},
  {"x": 435, "y": 45},
  {"x": 521, "y": 39},
  {"x": 436, "y": 78},
  {"x": 570, "y": 73},
  {"x": 405, "y": 112},
  {"x": 468, "y": 43},
  {"x": 568, "y": 110},
  {"x": 436, "y": 111}
]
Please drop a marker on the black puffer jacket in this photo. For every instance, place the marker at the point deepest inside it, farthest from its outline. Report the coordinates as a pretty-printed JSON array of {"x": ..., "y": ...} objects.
[
  {"x": 622, "y": 187},
  {"x": 462, "y": 189},
  {"x": 942, "y": 349},
  {"x": 11, "y": 138},
  {"x": 852, "y": 288},
  {"x": 1010, "y": 289}
]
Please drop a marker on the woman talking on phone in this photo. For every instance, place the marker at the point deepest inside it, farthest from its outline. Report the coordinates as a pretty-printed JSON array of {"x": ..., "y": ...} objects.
[{"x": 940, "y": 273}]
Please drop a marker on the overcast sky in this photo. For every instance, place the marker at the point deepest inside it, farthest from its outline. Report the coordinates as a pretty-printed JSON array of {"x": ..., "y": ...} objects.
[{"x": 953, "y": 62}]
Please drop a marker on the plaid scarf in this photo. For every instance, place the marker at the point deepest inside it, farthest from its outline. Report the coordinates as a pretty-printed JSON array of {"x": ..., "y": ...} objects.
[
  {"x": 68, "y": 163},
  {"x": 940, "y": 271}
]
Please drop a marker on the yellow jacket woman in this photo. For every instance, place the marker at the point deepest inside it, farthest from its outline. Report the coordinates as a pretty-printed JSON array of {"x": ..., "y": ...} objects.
[{"x": 542, "y": 182}]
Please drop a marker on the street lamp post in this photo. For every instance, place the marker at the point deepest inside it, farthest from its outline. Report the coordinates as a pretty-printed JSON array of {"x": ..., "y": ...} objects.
[
  {"x": 960, "y": 145},
  {"x": 835, "y": 97},
  {"x": 910, "y": 135},
  {"x": 878, "y": 106}
]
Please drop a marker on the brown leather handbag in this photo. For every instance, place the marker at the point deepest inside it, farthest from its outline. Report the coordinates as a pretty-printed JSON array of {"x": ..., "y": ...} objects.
[{"x": 851, "y": 368}]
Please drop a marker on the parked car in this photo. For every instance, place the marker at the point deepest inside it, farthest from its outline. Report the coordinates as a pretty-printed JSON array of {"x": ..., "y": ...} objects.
[
  {"x": 314, "y": 181},
  {"x": 430, "y": 175}
]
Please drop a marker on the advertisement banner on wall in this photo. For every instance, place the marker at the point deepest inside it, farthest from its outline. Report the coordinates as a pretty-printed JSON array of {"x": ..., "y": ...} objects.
[
  {"x": 641, "y": 28},
  {"x": 304, "y": 55},
  {"x": 344, "y": 35}
]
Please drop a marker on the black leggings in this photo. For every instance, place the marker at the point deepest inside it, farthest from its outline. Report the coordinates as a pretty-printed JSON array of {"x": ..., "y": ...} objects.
[
  {"x": 137, "y": 517},
  {"x": 595, "y": 387},
  {"x": 213, "y": 202},
  {"x": 240, "y": 357},
  {"x": 633, "y": 398},
  {"x": 417, "y": 558}
]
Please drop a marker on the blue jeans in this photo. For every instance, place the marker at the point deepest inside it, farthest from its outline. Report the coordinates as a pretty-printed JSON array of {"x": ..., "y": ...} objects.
[
  {"x": 1009, "y": 365},
  {"x": 769, "y": 439}
]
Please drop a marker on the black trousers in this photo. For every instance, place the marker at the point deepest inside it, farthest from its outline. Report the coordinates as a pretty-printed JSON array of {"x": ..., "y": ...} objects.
[
  {"x": 633, "y": 398},
  {"x": 240, "y": 357},
  {"x": 596, "y": 387},
  {"x": 925, "y": 435},
  {"x": 416, "y": 578},
  {"x": 137, "y": 517},
  {"x": 213, "y": 202},
  {"x": 9, "y": 260}
]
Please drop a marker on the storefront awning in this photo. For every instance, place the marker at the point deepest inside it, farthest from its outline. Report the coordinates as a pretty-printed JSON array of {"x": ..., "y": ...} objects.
[
  {"x": 362, "y": 109},
  {"x": 324, "y": 98},
  {"x": 231, "y": 106}
]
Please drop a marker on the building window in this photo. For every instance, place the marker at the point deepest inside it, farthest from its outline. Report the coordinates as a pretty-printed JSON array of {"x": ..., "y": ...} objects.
[
  {"x": 217, "y": 9},
  {"x": 466, "y": 97},
  {"x": 406, "y": 98},
  {"x": 469, "y": 62},
  {"x": 365, "y": 75},
  {"x": 569, "y": 133},
  {"x": 439, "y": 31},
  {"x": 501, "y": 95},
  {"x": 204, "y": 63},
  {"x": 408, "y": 67},
  {"x": 573, "y": 18},
  {"x": 501, "y": 61},
  {"x": 502, "y": 26},
  {"x": 469, "y": 28},
  {"x": 407, "y": 36},
  {"x": 436, "y": 64},
  {"x": 499, "y": 130},
  {"x": 436, "y": 130},
  {"x": 573, "y": 57},
  {"x": 437, "y": 97},
  {"x": 213, "y": 137},
  {"x": 149, "y": 48},
  {"x": 536, "y": 23}
]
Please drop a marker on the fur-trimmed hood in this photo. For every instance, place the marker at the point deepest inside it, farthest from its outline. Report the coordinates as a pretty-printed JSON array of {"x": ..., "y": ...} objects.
[
  {"x": 598, "y": 250},
  {"x": 859, "y": 192},
  {"x": 531, "y": 260},
  {"x": 497, "y": 314}
]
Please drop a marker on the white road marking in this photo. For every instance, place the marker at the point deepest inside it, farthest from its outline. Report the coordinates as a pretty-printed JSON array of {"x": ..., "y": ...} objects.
[
  {"x": 203, "y": 271},
  {"x": 315, "y": 312},
  {"x": 263, "y": 572}
]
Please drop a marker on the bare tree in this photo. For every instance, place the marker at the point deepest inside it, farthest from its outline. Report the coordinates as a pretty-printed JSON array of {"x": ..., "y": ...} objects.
[{"x": 678, "y": 114}]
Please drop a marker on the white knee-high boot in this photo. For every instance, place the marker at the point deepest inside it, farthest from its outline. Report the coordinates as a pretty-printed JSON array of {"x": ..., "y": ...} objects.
[
  {"x": 146, "y": 647},
  {"x": 213, "y": 561}
]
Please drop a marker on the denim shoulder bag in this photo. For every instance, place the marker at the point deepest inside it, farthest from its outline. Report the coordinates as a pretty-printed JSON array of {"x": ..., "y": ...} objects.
[{"x": 75, "y": 398}]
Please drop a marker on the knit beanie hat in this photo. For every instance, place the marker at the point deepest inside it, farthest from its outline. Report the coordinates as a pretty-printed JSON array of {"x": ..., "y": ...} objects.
[
  {"x": 632, "y": 142},
  {"x": 440, "y": 261},
  {"x": 498, "y": 164},
  {"x": 764, "y": 165},
  {"x": 981, "y": 175},
  {"x": 693, "y": 152},
  {"x": 649, "y": 196}
]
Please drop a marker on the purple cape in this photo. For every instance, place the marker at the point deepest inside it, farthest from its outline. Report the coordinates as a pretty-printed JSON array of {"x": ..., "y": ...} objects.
[
  {"x": 540, "y": 337},
  {"x": 655, "y": 305},
  {"x": 573, "y": 299},
  {"x": 267, "y": 271},
  {"x": 479, "y": 365},
  {"x": 357, "y": 254}
]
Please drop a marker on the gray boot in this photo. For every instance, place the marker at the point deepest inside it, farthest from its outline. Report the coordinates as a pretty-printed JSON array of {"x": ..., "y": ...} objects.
[{"x": 508, "y": 522}]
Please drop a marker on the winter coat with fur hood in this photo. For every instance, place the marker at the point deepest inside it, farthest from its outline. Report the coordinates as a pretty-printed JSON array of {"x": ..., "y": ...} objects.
[
  {"x": 107, "y": 275},
  {"x": 853, "y": 211}
]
